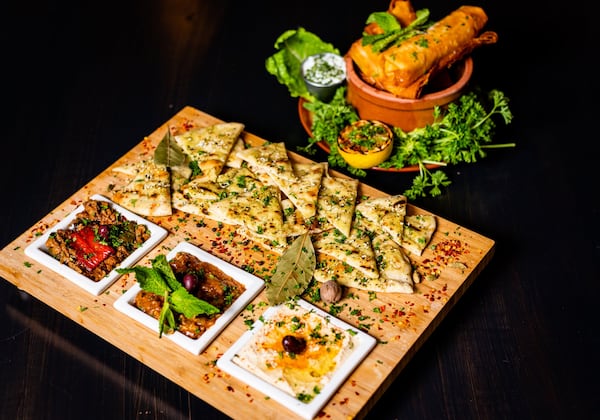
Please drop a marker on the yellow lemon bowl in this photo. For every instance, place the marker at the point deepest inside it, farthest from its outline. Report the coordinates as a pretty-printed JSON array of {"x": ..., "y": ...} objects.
[{"x": 365, "y": 143}]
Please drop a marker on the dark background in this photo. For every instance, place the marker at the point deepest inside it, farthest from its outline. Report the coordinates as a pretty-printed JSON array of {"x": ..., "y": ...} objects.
[{"x": 83, "y": 82}]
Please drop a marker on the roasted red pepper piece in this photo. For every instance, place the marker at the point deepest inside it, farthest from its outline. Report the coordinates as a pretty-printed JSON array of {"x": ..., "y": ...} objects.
[{"x": 89, "y": 252}]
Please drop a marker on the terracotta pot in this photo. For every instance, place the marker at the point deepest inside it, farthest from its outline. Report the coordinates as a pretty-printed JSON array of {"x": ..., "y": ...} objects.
[{"x": 408, "y": 114}]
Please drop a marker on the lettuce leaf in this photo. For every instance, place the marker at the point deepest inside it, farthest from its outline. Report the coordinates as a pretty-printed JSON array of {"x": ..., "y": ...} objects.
[{"x": 293, "y": 47}]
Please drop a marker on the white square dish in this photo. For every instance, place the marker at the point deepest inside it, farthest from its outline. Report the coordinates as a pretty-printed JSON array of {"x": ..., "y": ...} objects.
[
  {"x": 39, "y": 252},
  {"x": 252, "y": 284},
  {"x": 231, "y": 361}
]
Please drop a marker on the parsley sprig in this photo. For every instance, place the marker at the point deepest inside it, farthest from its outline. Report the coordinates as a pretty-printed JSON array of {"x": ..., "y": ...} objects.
[
  {"x": 461, "y": 133},
  {"x": 160, "y": 279}
]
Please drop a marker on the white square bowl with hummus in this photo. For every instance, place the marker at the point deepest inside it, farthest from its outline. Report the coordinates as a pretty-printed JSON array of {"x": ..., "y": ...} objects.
[{"x": 301, "y": 379}]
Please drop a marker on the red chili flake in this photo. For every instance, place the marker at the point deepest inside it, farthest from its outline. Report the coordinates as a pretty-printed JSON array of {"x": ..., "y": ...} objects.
[
  {"x": 188, "y": 125},
  {"x": 445, "y": 253},
  {"x": 230, "y": 388}
]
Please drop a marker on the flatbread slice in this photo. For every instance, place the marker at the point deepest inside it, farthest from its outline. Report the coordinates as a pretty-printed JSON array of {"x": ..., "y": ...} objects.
[
  {"x": 233, "y": 160},
  {"x": 393, "y": 264},
  {"x": 384, "y": 214},
  {"x": 293, "y": 222},
  {"x": 258, "y": 211},
  {"x": 197, "y": 195},
  {"x": 293, "y": 226},
  {"x": 336, "y": 203},
  {"x": 275, "y": 246},
  {"x": 329, "y": 268},
  {"x": 417, "y": 233},
  {"x": 238, "y": 180},
  {"x": 268, "y": 158},
  {"x": 180, "y": 175},
  {"x": 354, "y": 250},
  {"x": 300, "y": 182},
  {"x": 303, "y": 189},
  {"x": 209, "y": 147},
  {"x": 149, "y": 191}
]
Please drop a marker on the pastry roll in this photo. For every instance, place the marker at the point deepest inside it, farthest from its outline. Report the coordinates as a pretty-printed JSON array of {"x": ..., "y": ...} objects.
[
  {"x": 405, "y": 69},
  {"x": 403, "y": 11}
]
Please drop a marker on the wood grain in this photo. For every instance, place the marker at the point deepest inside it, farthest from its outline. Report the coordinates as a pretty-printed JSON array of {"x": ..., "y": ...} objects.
[{"x": 400, "y": 322}]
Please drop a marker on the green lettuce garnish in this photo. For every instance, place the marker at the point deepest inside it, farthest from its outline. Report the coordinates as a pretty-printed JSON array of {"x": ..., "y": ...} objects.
[{"x": 293, "y": 47}]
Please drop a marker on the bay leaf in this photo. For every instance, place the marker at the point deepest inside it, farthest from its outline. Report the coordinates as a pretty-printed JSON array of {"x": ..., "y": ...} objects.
[
  {"x": 293, "y": 272},
  {"x": 168, "y": 152}
]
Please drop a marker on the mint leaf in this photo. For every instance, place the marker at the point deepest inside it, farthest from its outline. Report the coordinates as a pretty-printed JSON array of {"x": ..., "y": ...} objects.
[
  {"x": 167, "y": 318},
  {"x": 189, "y": 305},
  {"x": 149, "y": 279},
  {"x": 162, "y": 266}
]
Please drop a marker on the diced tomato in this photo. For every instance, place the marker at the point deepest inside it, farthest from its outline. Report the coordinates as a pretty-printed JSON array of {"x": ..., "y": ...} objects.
[{"x": 89, "y": 252}]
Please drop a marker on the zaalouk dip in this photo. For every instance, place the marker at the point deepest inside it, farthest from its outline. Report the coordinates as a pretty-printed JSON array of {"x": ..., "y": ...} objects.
[
  {"x": 97, "y": 241},
  {"x": 202, "y": 279}
]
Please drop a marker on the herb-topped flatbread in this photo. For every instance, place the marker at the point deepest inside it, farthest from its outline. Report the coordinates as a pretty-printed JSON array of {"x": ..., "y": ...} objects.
[
  {"x": 336, "y": 203},
  {"x": 418, "y": 230},
  {"x": 268, "y": 158},
  {"x": 294, "y": 224},
  {"x": 384, "y": 214},
  {"x": 354, "y": 250},
  {"x": 300, "y": 183},
  {"x": 329, "y": 268},
  {"x": 208, "y": 148},
  {"x": 233, "y": 160},
  {"x": 258, "y": 212},
  {"x": 197, "y": 195},
  {"x": 303, "y": 190},
  {"x": 149, "y": 191},
  {"x": 394, "y": 265}
]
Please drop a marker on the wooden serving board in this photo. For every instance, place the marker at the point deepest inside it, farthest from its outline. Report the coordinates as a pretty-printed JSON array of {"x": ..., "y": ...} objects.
[{"x": 400, "y": 322}]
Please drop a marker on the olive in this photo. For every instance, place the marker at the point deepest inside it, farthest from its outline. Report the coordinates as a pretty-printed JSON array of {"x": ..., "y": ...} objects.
[
  {"x": 190, "y": 282},
  {"x": 293, "y": 344},
  {"x": 103, "y": 231}
]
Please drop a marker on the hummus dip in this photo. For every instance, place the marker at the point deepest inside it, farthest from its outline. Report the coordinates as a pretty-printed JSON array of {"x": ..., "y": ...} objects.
[{"x": 303, "y": 373}]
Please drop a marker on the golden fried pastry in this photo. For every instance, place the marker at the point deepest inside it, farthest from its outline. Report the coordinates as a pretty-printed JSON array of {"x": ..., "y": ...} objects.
[{"x": 405, "y": 69}]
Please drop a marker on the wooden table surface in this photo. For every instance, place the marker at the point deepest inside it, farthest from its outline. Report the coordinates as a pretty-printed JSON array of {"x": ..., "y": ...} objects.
[{"x": 83, "y": 84}]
